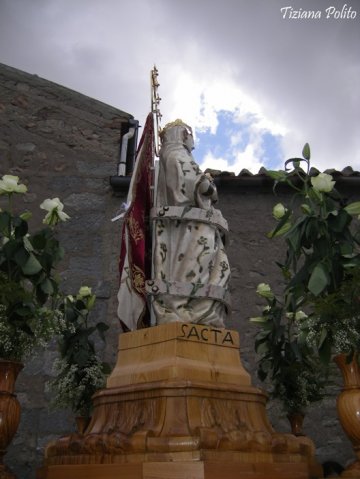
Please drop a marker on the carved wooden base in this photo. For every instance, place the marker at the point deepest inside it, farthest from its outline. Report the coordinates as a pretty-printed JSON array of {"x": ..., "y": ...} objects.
[
  {"x": 181, "y": 470},
  {"x": 180, "y": 405}
]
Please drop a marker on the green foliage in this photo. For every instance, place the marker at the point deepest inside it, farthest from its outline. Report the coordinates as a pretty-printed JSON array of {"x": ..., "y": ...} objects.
[
  {"x": 322, "y": 238},
  {"x": 334, "y": 326},
  {"x": 321, "y": 273},
  {"x": 79, "y": 372},
  {"x": 306, "y": 152},
  {"x": 294, "y": 373},
  {"x": 29, "y": 288},
  {"x": 33, "y": 310}
]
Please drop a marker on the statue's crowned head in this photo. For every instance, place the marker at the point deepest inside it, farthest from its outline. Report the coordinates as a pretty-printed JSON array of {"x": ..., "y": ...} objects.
[{"x": 177, "y": 132}]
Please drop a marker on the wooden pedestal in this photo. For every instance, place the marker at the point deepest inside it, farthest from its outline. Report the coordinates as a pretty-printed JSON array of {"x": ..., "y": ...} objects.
[{"x": 179, "y": 405}]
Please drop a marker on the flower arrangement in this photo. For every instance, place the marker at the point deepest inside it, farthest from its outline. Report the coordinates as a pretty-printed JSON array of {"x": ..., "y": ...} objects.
[
  {"x": 296, "y": 378},
  {"x": 322, "y": 263},
  {"x": 337, "y": 315},
  {"x": 79, "y": 372},
  {"x": 29, "y": 288},
  {"x": 321, "y": 272}
]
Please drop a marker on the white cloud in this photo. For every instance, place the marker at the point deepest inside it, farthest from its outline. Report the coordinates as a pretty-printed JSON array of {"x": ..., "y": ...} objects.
[
  {"x": 214, "y": 163},
  {"x": 297, "y": 79},
  {"x": 237, "y": 144},
  {"x": 248, "y": 159},
  {"x": 200, "y": 99}
]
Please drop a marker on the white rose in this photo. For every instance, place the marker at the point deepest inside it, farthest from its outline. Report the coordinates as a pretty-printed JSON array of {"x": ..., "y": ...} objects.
[
  {"x": 50, "y": 204},
  {"x": 9, "y": 184},
  {"x": 278, "y": 211},
  {"x": 264, "y": 290},
  {"x": 84, "y": 291},
  {"x": 323, "y": 182},
  {"x": 55, "y": 211},
  {"x": 305, "y": 209},
  {"x": 299, "y": 315}
]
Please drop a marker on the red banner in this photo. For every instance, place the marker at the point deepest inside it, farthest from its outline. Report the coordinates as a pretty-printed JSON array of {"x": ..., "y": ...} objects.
[{"x": 135, "y": 253}]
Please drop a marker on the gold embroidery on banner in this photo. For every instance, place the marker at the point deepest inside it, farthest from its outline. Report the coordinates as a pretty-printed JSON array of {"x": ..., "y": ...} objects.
[
  {"x": 135, "y": 230},
  {"x": 138, "y": 279}
]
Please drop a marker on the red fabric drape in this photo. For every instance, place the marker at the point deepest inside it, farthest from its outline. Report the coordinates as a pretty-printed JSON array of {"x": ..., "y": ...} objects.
[{"x": 136, "y": 225}]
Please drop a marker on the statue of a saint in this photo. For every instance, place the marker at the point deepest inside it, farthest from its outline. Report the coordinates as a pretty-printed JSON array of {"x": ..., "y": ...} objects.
[{"x": 190, "y": 267}]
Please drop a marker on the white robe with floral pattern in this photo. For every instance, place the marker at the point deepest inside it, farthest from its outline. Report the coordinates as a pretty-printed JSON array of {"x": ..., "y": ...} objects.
[{"x": 191, "y": 269}]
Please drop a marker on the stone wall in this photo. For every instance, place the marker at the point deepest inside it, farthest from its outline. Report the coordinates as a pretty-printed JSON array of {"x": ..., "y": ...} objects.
[{"x": 64, "y": 144}]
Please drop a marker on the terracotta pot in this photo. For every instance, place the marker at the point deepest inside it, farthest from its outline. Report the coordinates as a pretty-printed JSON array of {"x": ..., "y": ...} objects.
[
  {"x": 348, "y": 408},
  {"x": 9, "y": 410},
  {"x": 296, "y": 420}
]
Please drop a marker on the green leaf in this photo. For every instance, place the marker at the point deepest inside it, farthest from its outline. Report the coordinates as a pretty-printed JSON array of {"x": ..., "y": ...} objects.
[
  {"x": 325, "y": 351},
  {"x": 351, "y": 263},
  {"x": 321, "y": 247},
  {"x": 302, "y": 337},
  {"x": 282, "y": 227},
  {"x": 353, "y": 208},
  {"x": 9, "y": 249},
  {"x": 258, "y": 319},
  {"x": 276, "y": 175},
  {"x": 91, "y": 301},
  {"x": 32, "y": 266},
  {"x": 306, "y": 151},
  {"x": 339, "y": 222},
  {"x": 279, "y": 334},
  {"x": 262, "y": 375},
  {"x": 261, "y": 337},
  {"x": 311, "y": 230},
  {"x": 295, "y": 162},
  {"x": 80, "y": 305},
  {"x": 81, "y": 358},
  {"x": 280, "y": 231},
  {"x": 26, "y": 215},
  {"x": 106, "y": 368},
  {"x": 323, "y": 336},
  {"x": 294, "y": 240},
  {"x": 296, "y": 350},
  {"x": 21, "y": 256},
  {"x": 27, "y": 244},
  {"x": 262, "y": 348},
  {"x": 5, "y": 219},
  {"x": 346, "y": 250},
  {"x": 39, "y": 240},
  {"x": 20, "y": 227},
  {"x": 306, "y": 209},
  {"x": 47, "y": 286},
  {"x": 318, "y": 280},
  {"x": 24, "y": 311}
]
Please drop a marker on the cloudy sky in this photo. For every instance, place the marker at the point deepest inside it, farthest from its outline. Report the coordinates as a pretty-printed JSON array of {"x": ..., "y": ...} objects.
[{"x": 255, "y": 86}]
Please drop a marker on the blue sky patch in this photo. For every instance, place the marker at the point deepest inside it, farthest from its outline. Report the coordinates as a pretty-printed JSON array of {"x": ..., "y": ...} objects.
[{"x": 233, "y": 136}]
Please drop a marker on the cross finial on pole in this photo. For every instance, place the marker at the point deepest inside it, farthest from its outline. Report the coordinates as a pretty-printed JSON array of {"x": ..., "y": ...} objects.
[{"x": 155, "y": 107}]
